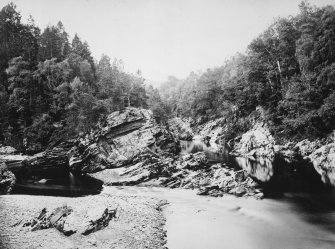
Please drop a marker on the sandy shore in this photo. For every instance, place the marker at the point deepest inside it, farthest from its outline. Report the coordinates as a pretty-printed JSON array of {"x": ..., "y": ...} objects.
[{"x": 139, "y": 222}]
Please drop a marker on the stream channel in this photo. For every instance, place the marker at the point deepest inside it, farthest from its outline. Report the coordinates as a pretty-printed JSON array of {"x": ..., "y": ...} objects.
[{"x": 298, "y": 211}]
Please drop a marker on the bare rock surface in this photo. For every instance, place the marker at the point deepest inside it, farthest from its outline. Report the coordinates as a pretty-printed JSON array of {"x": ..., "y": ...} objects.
[
  {"x": 323, "y": 160},
  {"x": 190, "y": 171},
  {"x": 69, "y": 222},
  {"x": 138, "y": 222},
  {"x": 256, "y": 142},
  {"x": 306, "y": 147},
  {"x": 181, "y": 128},
  {"x": 14, "y": 162},
  {"x": 212, "y": 130},
  {"x": 55, "y": 159},
  {"x": 7, "y": 179},
  {"x": 121, "y": 138},
  {"x": 6, "y": 150}
]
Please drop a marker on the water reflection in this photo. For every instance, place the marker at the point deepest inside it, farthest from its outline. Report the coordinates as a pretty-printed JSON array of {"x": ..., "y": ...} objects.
[
  {"x": 213, "y": 152},
  {"x": 65, "y": 185},
  {"x": 261, "y": 169}
]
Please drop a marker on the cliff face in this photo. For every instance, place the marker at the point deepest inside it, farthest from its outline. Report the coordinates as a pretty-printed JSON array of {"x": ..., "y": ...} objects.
[{"x": 121, "y": 138}]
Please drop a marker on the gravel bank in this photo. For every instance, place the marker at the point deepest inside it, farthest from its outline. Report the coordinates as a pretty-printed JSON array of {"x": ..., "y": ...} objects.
[{"x": 139, "y": 222}]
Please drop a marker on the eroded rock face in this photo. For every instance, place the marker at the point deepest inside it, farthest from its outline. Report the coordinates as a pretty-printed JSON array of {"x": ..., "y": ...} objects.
[
  {"x": 51, "y": 161},
  {"x": 181, "y": 128},
  {"x": 212, "y": 130},
  {"x": 7, "y": 179},
  {"x": 256, "y": 142},
  {"x": 121, "y": 138},
  {"x": 324, "y": 162}
]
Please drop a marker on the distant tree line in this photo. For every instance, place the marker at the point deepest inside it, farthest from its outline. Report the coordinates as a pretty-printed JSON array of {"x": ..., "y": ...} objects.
[
  {"x": 52, "y": 88},
  {"x": 289, "y": 70}
]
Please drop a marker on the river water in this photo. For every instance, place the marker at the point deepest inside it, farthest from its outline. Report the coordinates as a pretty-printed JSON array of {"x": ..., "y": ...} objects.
[{"x": 299, "y": 211}]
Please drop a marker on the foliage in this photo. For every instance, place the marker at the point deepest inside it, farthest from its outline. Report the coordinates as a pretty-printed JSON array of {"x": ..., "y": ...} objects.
[
  {"x": 288, "y": 69},
  {"x": 50, "y": 88}
]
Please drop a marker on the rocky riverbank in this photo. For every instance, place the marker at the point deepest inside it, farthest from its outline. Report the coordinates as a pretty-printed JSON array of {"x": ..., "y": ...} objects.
[{"x": 138, "y": 222}]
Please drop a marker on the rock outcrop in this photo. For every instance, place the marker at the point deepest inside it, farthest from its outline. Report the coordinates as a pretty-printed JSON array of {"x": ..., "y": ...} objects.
[
  {"x": 323, "y": 160},
  {"x": 189, "y": 171},
  {"x": 7, "y": 179},
  {"x": 212, "y": 130},
  {"x": 51, "y": 161},
  {"x": 181, "y": 128},
  {"x": 7, "y": 150},
  {"x": 14, "y": 162},
  {"x": 257, "y": 142},
  {"x": 306, "y": 147},
  {"x": 68, "y": 222},
  {"x": 121, "y": 138}
]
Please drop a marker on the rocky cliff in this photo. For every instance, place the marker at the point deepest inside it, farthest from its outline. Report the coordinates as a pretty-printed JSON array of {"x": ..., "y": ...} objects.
[{"x": 121, "y": 138}]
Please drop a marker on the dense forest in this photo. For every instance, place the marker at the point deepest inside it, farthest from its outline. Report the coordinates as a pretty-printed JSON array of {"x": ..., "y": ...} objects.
[
  {"x": 289, "y": 70},
  {"x": 52, "y": 88}
]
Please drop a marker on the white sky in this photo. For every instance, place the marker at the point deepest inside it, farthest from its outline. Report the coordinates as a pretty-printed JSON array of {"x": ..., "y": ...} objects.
[{"x": 162, "y": 37}]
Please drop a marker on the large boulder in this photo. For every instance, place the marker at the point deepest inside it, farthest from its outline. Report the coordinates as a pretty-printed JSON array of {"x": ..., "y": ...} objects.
[
  {"x": 119, "y": 139},
  {"x": 181, "y": 128},
  {"x": 7, "y": 179},
  {"x": 257, "y": 142},
  {"x": 324, "y": 162}
]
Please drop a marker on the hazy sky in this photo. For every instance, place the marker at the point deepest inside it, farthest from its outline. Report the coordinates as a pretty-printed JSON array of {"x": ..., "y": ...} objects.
[{"x": 163, "y": 37}]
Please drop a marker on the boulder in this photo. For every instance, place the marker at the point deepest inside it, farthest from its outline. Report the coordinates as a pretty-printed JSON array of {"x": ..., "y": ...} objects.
[
  {"x": 323, "y": 160},
  {"x": 6, "y": 150},
  {"x": 67, "y": 221},
  {"x": 119, "y": 139},
  {"x": 7, "y": 179},
  {"x": 257, "y": 142},
  {"x": 181, "y": 128}
]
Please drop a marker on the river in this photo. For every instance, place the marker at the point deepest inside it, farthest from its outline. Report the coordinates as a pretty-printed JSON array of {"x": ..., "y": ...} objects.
[{"x": 298, "y": 211}]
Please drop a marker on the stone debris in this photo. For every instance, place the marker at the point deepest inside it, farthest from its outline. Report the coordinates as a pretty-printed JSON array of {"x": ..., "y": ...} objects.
[
  {"x": 66, "y": 221},
  {"x": 323, "y": 160},
  {"x": 191, "y": 171}
]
